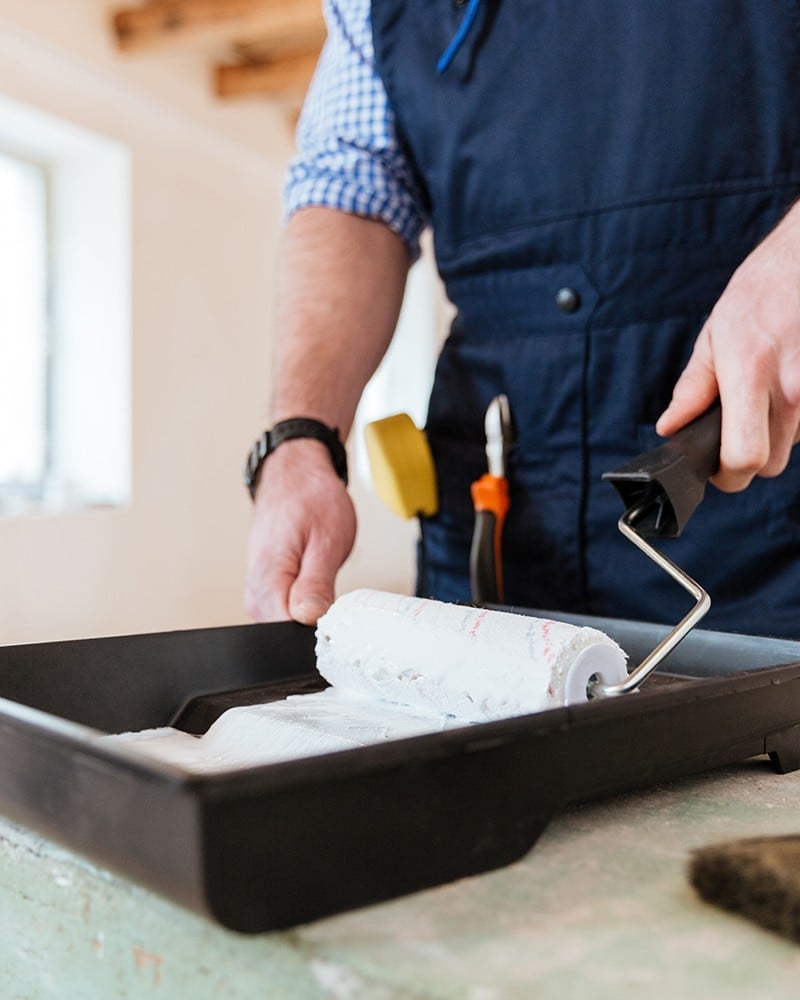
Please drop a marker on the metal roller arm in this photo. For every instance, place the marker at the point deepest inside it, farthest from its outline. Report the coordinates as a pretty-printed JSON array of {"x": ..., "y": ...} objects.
[{"x": 626, "y": 525}]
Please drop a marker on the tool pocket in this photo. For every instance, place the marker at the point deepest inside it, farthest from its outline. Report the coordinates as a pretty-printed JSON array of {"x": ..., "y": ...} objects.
[{"x": 443, "y": 554}]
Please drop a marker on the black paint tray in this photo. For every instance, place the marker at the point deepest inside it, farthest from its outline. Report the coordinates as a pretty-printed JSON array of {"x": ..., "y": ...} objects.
[{"x": 272, "y": 846}]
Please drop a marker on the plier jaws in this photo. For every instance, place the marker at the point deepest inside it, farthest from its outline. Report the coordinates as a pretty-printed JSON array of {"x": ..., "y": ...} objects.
[{"x": 497, "y": 425}]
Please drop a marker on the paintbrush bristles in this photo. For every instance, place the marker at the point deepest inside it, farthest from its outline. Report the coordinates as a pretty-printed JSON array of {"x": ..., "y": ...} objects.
[{"x": 758, "y": 878}]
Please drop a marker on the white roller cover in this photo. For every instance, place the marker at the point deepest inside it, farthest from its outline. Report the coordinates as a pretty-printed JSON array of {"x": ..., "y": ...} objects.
[{"x": 471, "y": 663}]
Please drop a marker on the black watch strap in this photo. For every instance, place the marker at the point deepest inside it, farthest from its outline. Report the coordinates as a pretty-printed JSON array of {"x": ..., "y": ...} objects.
[{"x": 285, "y": 430}]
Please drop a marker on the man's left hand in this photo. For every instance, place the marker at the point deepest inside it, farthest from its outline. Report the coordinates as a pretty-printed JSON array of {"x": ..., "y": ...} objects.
[{"x": 748, "y": 354}]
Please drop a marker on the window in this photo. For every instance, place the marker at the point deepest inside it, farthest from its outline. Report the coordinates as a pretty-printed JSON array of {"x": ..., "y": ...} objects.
[
  {"x": 24, "y": 290},
  {"x": 64, "y": 315}
]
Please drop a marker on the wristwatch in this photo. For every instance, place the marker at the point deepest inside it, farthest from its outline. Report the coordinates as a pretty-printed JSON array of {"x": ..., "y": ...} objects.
[{"x": 285, "y": 430}]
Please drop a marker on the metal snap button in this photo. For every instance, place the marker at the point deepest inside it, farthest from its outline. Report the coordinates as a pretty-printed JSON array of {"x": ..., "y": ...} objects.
[{"x": 568, "y": 300}]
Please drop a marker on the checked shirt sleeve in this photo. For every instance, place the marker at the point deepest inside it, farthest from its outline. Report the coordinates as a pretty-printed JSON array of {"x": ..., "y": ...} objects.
[{"x": 349, "y": 157}]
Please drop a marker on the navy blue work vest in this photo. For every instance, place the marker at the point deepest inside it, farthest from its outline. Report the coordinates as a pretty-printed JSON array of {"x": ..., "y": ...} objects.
[{"x": 633, "y": 152}]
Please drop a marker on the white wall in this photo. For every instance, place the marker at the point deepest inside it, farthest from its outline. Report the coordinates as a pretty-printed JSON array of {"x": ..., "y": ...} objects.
[{"x": 205, "y": 222}]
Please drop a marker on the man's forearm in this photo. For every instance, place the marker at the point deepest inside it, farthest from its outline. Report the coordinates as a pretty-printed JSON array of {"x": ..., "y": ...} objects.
[{"x": 341, "y": 287}]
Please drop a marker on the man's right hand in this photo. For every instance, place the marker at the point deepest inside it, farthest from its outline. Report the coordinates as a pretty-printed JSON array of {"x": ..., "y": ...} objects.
[{"x": 304, "y": 526}]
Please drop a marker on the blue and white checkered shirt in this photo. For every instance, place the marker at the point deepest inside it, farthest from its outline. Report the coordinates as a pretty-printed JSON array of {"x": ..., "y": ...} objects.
[{"x": 349, "y": 157}]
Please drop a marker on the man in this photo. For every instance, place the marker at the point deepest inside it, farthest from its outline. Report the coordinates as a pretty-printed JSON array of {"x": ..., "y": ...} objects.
[{"x": 610, "y": 188}]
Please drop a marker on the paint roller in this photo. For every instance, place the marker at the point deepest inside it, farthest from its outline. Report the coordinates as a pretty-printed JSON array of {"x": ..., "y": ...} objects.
[
  {"x": 399, "y": 667},
  {"x": 437, "y": 662},
  {"x": 480, "y": 664}
]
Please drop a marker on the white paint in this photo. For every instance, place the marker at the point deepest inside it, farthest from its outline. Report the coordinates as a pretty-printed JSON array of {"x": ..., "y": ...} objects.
[
  {"x": 298, "y": 727},
  {"x": 400, "y": 667}
]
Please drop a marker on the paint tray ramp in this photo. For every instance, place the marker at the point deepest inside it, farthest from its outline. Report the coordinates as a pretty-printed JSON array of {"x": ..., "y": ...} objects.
[{"x": 272, "y": 846}]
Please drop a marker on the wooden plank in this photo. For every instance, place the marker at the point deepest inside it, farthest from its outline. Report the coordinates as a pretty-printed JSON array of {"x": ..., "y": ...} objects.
[
  {"x": 168, "y": 21},
  {"x": 289, "y": 75},
  {"x": 258, "y": 47}
]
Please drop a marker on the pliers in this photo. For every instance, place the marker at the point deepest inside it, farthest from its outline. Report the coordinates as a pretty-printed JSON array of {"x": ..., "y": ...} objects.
[{"x": 491, "y": 502}]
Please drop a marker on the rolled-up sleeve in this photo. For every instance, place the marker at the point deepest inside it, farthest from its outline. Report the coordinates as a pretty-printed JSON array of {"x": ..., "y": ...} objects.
[{"x": 349, "y": 157}]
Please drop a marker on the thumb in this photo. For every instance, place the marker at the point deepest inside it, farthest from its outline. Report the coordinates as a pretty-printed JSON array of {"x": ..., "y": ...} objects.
[
  {"x": 695, "y": 390},
  {"x": 312, "y": 592},
  {"x": 307, "y": 608}
]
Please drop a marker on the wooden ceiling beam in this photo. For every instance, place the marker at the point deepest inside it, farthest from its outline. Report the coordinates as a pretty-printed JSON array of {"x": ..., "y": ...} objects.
[
  {"x": 164, "y": 21},
  {"x": 287, "y": 76},
  {"x": 257, "y": 47}
]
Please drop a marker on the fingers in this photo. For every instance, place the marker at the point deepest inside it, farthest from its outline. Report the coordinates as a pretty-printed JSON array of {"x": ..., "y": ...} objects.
[
  {"x": 290, "y": 578},
  {"x": 268, "y": 582},
  {"x": 757, "y": 432},
  {"x": 758, "y": 428},
  {"x": 695, "y": 390},
  {"x": 745, "y": 444},
  {"x": 744, "y": 432},
  {"x": 303, "y": 590},
  {"x": 311, "y": 594},
  {"x": 303, "y": 530}
]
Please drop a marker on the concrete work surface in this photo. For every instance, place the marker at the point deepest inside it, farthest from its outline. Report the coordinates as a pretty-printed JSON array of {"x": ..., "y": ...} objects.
[{"x": 600, "y": 908}]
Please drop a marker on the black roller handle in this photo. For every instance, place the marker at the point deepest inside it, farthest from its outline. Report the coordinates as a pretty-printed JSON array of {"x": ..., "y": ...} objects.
[{"x": 669, "y": 482}]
